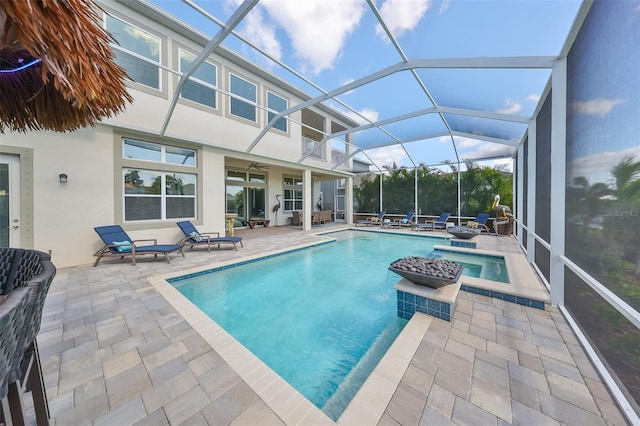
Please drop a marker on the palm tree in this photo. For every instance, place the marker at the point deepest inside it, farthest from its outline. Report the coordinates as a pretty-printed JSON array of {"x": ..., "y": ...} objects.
[{"x": 627, "y": 206}]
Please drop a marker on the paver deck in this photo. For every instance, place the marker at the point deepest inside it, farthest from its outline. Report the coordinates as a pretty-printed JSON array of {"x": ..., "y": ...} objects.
[{"x": 115, "y": 352}]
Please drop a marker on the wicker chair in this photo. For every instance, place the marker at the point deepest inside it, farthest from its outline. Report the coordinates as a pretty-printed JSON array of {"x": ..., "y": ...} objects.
[
  {"x": 12, "y": 316},
  {"x": 33, "y": 270}
]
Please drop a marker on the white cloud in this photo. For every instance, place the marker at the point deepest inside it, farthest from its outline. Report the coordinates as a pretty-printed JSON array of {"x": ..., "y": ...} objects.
[
  {"x": 401, "y": 16},
  {"x": 597, "y": 167},
  {"x": 511, "y": 107},
  {"x": 263, "y": 34},
  {"x": 488, "y": 150},
  {"x": 387, "y": 156},
  {"x": 444, "y": 6},
  {"x": 533, "y": 98},
  {"x": 317, "y": 31},
  {"x": 349, "y": 80},
  {"x": 465, "y": 143},
  {"x": 367, "y": 113},
  {"x": 599, "y": 107}
]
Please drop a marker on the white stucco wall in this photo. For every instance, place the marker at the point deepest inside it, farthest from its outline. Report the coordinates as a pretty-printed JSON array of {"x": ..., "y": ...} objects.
[{"x": 65, "y": 214}]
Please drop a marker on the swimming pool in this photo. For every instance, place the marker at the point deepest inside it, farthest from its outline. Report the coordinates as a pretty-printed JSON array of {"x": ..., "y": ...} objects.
[{"x": 321, "y": 317}]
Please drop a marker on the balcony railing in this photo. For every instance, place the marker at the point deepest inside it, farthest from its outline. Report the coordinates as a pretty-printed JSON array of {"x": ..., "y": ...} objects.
[{"x": 308, "y": 146}]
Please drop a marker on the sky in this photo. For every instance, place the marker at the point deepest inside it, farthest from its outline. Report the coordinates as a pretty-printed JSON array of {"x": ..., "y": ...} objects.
[
  {"x": 330, "y": 43},
  {"x": 603, "y": 124}
]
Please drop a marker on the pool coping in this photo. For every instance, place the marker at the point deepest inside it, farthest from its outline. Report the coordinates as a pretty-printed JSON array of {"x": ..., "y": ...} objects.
[
  {"x": 368, "y": 404},
  {"x": 522, "y": 283},
  {"x": 288, "y": 404}
]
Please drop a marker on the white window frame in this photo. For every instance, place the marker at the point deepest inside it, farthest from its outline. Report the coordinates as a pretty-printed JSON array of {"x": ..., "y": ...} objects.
[
  {"x": 118, "y": 46},
  {"x": 240, "y": 98},
  {"x": 292, "y": 185},
  {"x": 206, "y": 84},
  {"x": 163, "y": 168},
  {"x": 271, "y": 112}
]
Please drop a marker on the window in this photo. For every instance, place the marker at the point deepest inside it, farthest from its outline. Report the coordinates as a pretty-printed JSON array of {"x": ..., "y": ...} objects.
[
  {"x": 278, "y": 104},
  {"x": 162, "y": 192},
  {"x": 242, "y": 89},
  {"x": 148, "y": 151},
  {"x": 292, "y": 193},
  {"x": 141, "y": 55},
  {"x": 198, "y": 87}
]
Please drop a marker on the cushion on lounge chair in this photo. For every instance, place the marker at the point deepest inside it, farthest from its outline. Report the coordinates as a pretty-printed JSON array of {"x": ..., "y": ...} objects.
[
  {"x": 122, "y": 246},
  {"x": 195, "y": 236}
]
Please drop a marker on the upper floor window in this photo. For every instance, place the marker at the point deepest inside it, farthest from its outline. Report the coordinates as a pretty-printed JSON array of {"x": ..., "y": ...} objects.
[
  {"x": 242, "y": 89},
  {"x": 278, "y": 104},
  {"x": 139, "y": 52},
  {"x": 201, "y": 85}
]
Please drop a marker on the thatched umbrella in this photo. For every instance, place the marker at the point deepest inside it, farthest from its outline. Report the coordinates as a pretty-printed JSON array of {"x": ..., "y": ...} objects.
[{"x": 57, "y": 71}]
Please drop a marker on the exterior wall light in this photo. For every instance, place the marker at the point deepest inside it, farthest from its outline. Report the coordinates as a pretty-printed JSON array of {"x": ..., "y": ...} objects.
[{"x": 63, "y": 178}]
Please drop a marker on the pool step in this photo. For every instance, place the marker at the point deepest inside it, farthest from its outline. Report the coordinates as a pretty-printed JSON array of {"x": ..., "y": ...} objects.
[{"x": 337, "y": 403}]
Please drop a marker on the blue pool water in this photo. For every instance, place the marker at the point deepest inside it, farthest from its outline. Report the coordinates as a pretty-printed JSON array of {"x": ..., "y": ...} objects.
[{"x": 321, "y": 317}]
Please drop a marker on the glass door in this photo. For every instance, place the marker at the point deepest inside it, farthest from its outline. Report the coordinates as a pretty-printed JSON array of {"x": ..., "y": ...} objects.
[
  {"x": 236, "y": 202},
  {"x": 257, "y": 200},
  {"x": 10, "y": 201},
  {"x": 340, "y": 200}
]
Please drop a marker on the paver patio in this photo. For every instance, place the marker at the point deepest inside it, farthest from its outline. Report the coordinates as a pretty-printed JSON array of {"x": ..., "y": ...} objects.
[{"x": 115, "y": 352}]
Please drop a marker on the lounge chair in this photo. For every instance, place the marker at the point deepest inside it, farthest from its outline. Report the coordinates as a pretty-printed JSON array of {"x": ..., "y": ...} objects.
[
  {"x": 377, "y": 220},
  {"x": 118, "y": 243},
  {"x": 193, "y": 237},
  {"x": 440, "y": 222},
  {"x": 479, "y": 222},
  {"x": 405, "y": 221}
]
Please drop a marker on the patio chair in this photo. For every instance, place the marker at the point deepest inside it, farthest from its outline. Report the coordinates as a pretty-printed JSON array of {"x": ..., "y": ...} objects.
[
  {"x": 377, "y": 220},
  {"x": 118, "y": 243},
  {"x": 405, "y": 221},
  {"x": 31, "y": 270},
  {"x": 296, "y": 218},
  {"x": 479, "y": 222},
  {"x": 193, "y": 237},
  {"x": 12, "y": 317},
  {"x": 440, "y": 222}
]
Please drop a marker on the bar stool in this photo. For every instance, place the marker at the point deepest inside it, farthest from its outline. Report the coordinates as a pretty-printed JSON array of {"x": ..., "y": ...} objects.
[
  {"x": 12, "y": 317},
  {"x": 26, "y": 372}
]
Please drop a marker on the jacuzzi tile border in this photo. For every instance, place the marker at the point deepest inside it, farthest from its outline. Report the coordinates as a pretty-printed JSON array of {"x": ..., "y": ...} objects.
[
  {"x": 485, "y": 255},
  {"x": 465, "y": 244},
  {"x": 409, "y": 304},
  {"x": 525, "y": 301}
]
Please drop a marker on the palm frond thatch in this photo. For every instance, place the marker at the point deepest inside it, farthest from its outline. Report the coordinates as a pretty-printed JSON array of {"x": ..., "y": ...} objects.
[{"x": 76, "y": 82}]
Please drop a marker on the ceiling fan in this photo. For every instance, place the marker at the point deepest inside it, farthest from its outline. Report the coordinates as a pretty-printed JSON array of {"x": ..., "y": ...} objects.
[{"x": 257, "y": 166}]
